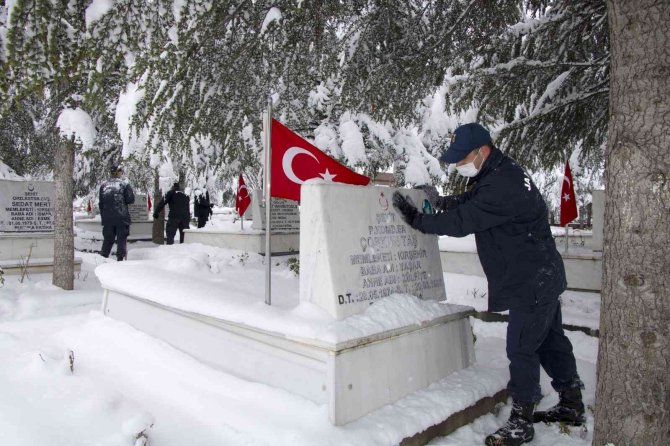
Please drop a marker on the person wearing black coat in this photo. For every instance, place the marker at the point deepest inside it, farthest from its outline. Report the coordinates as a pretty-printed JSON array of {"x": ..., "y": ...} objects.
[
  {"x": 525, "y": 273},
  {"x": 179, "y": 216},
  {"x": 113, "y": 199},
  {"x": 202, "y": 207}
]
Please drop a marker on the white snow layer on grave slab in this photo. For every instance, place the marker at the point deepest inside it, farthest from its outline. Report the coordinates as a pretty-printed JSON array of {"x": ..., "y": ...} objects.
[
  {"x": 183, "y": 279},
  {"x": 355, "y": 249}
]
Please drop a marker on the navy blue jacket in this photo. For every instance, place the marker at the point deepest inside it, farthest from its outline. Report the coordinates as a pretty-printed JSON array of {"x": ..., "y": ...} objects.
[
  {"x": 113, "y": 199},
  {"x": 509, "y": 218},
  {"x": 178, "y": 203}
]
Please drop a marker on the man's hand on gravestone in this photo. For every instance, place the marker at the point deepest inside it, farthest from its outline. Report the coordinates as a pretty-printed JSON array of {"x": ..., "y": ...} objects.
[
  {"x": 155, "y": 215},
  {"x": 407, "y": 210}
]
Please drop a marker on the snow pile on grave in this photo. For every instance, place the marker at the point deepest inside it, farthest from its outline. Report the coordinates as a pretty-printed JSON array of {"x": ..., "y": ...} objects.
[{"x": 224, "y": 284}]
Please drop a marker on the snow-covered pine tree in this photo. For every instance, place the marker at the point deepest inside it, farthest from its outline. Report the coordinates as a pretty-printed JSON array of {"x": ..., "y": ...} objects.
[
  {"x": 54, "y": 54},
  {"x": 543, "y": 83}
]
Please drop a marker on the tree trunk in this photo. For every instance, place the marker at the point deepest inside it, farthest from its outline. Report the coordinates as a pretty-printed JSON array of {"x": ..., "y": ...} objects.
[
  {"x": 63, "y": 274},
  {"x": 633, "y": 390},
  {"x": 158, "y": 227}
]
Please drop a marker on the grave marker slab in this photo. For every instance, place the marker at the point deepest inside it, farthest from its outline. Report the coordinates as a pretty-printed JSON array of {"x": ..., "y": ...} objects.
[
  {"x": 355, "y": 249},
  {"x": 285, "y": 214},
  {"x": 26, "y": 206},
  {"x": 138, "y": 210}
]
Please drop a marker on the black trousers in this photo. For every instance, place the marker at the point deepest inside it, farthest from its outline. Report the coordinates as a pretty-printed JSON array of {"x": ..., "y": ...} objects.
[
  {"x": 535, "y": 338},
  {"x": 110, "y": 233},
  {"x": 202, "y": 220},
  {"x": 171, "y": 230}
]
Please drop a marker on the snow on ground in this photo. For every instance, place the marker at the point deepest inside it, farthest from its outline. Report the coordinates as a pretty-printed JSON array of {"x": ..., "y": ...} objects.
[{"x": 124, "y": 381}]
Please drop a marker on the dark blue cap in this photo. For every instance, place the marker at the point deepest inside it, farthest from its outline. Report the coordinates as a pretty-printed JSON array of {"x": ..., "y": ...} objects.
[{"x": 465, "y": 139}]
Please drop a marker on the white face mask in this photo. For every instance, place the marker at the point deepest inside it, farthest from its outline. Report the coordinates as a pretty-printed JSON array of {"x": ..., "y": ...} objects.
[{"x": 469, "y": 170}]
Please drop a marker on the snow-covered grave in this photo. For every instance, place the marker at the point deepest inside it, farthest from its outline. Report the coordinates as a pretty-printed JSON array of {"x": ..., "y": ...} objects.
[
  {"x": 326, "y": 343},
  {"x": 26, "y": 226},
  {"x": 140, "y": 229},
  {"x": 583, "y": 265},
  {"x": 285, "y": 224}
]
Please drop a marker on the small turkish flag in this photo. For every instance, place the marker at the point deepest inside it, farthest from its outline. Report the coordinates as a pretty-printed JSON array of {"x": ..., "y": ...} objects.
[
  {"x": 295, "y": 161},
  {"x": 243, "y": 199},
  {"x": 149, "y": 202},
  {"x": 89, "y": 208},
  {"x": 568, "y": 201}
]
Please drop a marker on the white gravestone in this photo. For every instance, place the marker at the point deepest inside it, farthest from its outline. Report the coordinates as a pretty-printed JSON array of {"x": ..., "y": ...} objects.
[
  {"x": 26, "y": 206},
  {"x": 355, "y": 249},
  {"x": 26, "y": 225},
  {"x": 138, "y": 209},
  {"x": 285, "y": 214}
]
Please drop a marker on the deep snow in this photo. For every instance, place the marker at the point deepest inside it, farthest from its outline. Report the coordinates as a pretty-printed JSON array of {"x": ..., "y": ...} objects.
[{"x": 125, "y": 381}]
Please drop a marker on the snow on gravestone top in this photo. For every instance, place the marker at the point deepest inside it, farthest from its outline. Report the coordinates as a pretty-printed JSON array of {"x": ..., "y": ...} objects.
[
  {"x": 285, "y": 214},
  {"x": 355, "y": 249},
  {"x": 26, "y": 206}
]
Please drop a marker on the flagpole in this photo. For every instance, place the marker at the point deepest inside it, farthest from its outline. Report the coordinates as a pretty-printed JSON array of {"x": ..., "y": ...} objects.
[{"x": 267, "y": 124}]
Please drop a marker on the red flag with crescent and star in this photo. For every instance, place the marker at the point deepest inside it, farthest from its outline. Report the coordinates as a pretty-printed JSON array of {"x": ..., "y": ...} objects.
[
  {"x": 243, "y": 199},
  {"x": 294, "y": 161},
  {"x": 568, "y": 200}
]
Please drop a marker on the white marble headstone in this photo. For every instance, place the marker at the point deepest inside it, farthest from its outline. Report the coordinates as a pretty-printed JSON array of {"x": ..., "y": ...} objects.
[
  {"x": 26, "y": 206},
  {"x": 285, "y": 214},
  {"x": 138, "y": 210},
  {"x": 355, "y": 249}
]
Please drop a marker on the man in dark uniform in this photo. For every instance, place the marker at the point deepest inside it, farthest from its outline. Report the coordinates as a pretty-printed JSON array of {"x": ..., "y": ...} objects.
[
  {"x": 113, "y": 199},
  {"x": 179, "y": 215},
  {"x": 202, "y": 207},
  {"x": 524, "y": 270}
]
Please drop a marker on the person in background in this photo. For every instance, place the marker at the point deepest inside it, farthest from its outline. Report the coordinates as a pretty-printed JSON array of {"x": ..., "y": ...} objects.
[
  {"x": 113, "y": 199},
  {"x": 525, "y": 274},
  {"x": 202, "y": 207},
  {"x": 179, "y": 215}
]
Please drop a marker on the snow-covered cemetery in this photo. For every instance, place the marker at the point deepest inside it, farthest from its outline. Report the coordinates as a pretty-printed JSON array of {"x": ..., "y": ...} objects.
[{"x": 351, "y": 222}]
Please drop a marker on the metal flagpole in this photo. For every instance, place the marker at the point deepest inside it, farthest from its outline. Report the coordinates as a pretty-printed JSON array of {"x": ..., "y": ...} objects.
[{"x": 267, "y": 129}]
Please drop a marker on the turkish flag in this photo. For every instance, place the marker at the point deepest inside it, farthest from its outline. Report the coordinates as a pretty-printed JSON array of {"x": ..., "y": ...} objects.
[
  {"x": 243, "y": 199},
  {"x": 568, "y": 200},
  {"x": 89, "y": 208},
  {"x": 295, "y": 161},
  {"x": 149, "y": 202}
]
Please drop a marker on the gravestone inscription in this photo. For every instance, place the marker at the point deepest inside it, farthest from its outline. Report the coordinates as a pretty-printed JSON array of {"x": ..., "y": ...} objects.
[
  {"x": 26, "y": 206},
  {"x": 355, "y": 249},
  {"x": 138, "y": 209},
  {"x": 285, "y": 214}
]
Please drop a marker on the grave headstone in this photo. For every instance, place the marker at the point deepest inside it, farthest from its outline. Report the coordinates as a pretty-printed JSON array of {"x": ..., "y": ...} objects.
[
  {"x": 285, "y": 214},
  {"x": 355, "y": 249},
  {"x": 26, "y": 206},
  {"x": 138, "y": 210}
]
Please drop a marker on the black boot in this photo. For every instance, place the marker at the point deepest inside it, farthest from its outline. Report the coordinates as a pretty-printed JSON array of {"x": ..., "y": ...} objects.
[
  {"x": 517, "y": 430},
  {"x": 569, "y": 410}
]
